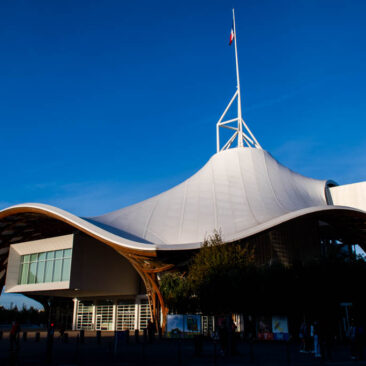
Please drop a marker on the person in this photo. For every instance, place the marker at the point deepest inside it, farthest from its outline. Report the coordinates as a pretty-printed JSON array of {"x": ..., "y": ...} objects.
[
  {"x": 223, "y": 336},
  {"x": 328, "y": 330},
  {"x": 233, "y": 335},
  {"x": 310, "y": 339},
  {"x": 316, "y": 337},
  {"x": 352, "y": 336},
  {"x": 356, "y": 337},
  {"x": 250, "y": 329},
  {"x": 62, "y": 331},
  {"x": 151, "y": 331},
  {"x": 360, "y": 341},
  {"x": 302, "y": 336},
  {"x": 14, "y": 335}
]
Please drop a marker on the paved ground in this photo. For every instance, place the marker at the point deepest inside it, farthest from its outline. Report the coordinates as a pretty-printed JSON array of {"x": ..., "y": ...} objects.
[{"x": 162, "y": 352}]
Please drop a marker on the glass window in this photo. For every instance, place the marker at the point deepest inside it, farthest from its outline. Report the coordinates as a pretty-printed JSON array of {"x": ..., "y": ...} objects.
[
  {"x": 32, "y": 272},
  {"x": 40, "y": 272},
  {"x": 49, "y": 271},
  {"x": 57, "y": 270},
  {"x": 33, "y": 257},
  {"x": 45, "y": 267},
  {"x": 67, "y": 253},
  {"x": 24, "y": 273},
  {"x": 25, "y": 258},
  {"x": 42, "y": 256},
  {"x": 66, "y": 267}
]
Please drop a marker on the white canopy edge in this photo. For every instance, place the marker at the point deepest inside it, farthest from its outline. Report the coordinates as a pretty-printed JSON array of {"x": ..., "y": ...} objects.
[{"x": 105, "y": 235}]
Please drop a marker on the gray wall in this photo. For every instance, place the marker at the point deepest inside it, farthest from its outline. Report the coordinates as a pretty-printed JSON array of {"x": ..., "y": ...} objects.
[{"x": 97, "y": 270}]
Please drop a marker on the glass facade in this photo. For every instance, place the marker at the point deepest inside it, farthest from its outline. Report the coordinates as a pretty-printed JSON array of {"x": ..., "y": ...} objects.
[{"x": 44, "y": 267}]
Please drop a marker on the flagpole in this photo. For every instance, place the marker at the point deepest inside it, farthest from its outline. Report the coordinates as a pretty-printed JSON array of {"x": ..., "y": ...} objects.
[
  {"x": 242, "y": 132},
  {"x": 240, "y": 119}
]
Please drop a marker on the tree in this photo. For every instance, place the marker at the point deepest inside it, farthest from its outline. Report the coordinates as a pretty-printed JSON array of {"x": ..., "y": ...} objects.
[
  {"x": 224, "y": 278},
  {"x": 214, "y": 276},
  {"x": 218, "y": 272},
  {"x": 175, "y": 288}
]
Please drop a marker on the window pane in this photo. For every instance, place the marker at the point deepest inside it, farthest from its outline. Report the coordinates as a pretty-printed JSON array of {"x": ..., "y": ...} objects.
[
  {"x": 42, "y": 256},
  {"x": 40, "y": 272},
  {"x": 34, "y": 257},
  {"x": 67, "y": 253},
  {"x": 20, "y": 272},
  {"x": 66, "y": 267},
  {"x": 32, "y": 272},
  {"x": 24, "y": 273},
  {"x": 49, "y": 271},
  {"x": 57, "y": 270},
  {"x": 52, "y": 266},
  {"x": 26, "y": 258}
]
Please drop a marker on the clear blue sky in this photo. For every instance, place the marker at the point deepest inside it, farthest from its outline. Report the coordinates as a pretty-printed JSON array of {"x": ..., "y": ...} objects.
[{"x": 103, "y": 104}]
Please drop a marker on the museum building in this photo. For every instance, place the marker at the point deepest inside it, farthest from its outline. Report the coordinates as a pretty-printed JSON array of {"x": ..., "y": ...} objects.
[{"x": 106, "y": 268}]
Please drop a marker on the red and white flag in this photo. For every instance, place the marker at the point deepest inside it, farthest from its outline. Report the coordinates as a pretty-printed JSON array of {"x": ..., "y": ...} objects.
[{"x": 232, "y": 35}]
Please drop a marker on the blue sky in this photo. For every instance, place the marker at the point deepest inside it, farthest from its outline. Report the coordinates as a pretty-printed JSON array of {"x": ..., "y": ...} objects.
[{"x": 103, "y": 104}]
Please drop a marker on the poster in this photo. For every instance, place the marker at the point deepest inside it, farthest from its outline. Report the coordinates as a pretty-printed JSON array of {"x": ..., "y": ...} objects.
[
  {"x": 280, "y": 328},
  {"x": 192, "y": 323},
  {"x": 265, "y": 328},
  {"x": 179, "y": 325}
]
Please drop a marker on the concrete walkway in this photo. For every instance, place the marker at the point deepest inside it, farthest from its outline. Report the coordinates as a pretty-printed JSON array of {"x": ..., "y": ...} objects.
[{"x": 161, "y": 352}]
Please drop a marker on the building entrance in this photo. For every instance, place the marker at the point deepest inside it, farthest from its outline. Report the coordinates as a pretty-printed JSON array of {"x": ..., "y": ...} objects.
[
  {"x": 126, "y": 316},
  {"x": 104, "y": 317},
  {"x": 116, "y": 315}
]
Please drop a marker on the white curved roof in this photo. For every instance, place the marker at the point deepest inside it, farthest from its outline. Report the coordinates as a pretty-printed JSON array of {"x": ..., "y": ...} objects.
[
  {"x": 240, "y": 192},
  {"x": 238, "y": 189}
]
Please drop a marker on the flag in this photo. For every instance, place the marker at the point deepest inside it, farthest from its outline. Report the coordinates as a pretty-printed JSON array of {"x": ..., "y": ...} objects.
[{"x": 232, "y": 35}]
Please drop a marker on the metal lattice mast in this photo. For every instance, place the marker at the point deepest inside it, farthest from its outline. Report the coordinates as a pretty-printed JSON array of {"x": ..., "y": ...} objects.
[{"x": 243, "y": 135}]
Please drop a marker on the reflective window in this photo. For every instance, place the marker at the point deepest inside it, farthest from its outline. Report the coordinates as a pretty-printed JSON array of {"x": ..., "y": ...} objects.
[
  {"x": 40, "y": 272},
  {"x": 24, "y": 273},
  {"x": 66, "y": 267},
  {"x": 43, "y": 267},
  {"x": 57, "y": 270},
  {"x": 49, "y": 271}
]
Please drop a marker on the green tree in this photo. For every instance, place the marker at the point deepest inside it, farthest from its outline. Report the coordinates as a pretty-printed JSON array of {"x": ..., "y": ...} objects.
[
  {"x": 224, "y": 278},
  {"x": 213, "y": 279},
  {"x": 175, "y": 288},
  {"x": 217, "y": 273}
]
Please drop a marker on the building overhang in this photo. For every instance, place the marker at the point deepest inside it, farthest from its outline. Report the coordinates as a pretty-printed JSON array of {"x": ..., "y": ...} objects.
[{"x": 17, "y": 221}]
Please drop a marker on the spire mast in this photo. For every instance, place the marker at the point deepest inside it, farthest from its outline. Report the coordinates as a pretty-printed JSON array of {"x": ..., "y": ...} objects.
[
  {"x": 241, "y": 131},
  {"x": 240, "y": 126}
]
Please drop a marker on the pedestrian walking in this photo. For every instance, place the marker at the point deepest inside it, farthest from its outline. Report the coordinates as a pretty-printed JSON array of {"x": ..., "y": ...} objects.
[
  {"x": 14, "y": 336},
  {"x": 316, "y": 338}
]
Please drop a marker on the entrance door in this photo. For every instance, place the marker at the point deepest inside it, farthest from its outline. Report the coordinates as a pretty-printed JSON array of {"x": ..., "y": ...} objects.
[
  {"x": 104, "y": 317},
  {"x": 125, "y": 317},
  {"x": 84, "y": 318}
]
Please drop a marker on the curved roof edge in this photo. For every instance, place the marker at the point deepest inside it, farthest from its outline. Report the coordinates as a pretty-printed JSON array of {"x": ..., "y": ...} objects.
[
  {"x": 78, "y": 223},
  {"x": 114, "y": 239}
]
